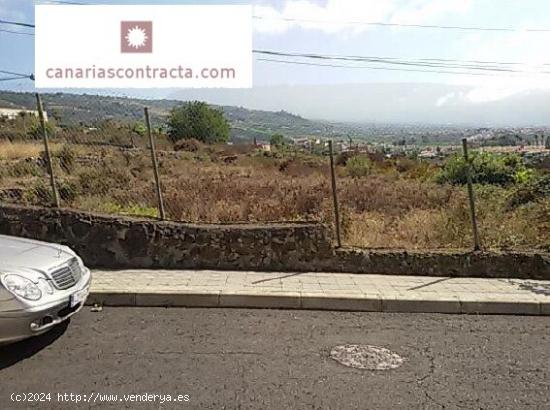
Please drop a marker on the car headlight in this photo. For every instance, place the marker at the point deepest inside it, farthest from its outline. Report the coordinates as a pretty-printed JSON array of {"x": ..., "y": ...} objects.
[
  {"x": 22, "y": 287},
  {"x": 45, "y": 286}
]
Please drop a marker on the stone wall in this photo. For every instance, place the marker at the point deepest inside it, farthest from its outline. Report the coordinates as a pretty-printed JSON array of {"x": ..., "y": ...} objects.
[
  {"x": 492, "y": 264},
  {"x": 121, "y": 242}
]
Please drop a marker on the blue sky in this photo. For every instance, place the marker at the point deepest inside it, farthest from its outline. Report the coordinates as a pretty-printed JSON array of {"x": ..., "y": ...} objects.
[{"x": 328, "y": 30}]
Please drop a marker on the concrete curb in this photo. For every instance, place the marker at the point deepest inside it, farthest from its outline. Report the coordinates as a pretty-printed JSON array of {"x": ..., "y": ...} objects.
[{"x": 313, "y": 301}]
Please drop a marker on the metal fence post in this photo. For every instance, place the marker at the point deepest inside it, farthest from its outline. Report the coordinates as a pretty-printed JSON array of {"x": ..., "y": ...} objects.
[
  {"x": 477, "y": 245},
  {"x": 334, "y": 195},
  {"x": 155, "y": 165},
  {"x": 55, "y": 196}
]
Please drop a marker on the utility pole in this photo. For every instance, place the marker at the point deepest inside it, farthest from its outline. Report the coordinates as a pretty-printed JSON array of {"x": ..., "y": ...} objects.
[
  {"x": 155, "y": 165},
  {"x": 471, "y": 198},
  {"x": 334, "y": 195},
  {"x": 47, "y": 150}
]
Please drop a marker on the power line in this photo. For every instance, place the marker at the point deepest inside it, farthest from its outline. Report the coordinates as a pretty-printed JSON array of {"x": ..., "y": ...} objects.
[
  {"x": 13, "y": 73},
  {"x": 17, "y": 23},
  {"x": 423, "y": 26},
  {"x": 478, "y": 65},
  {"x": 372, "y": 59},
  {"x": 65, "y": 2},
  {"x": 15, "y": 76},
  {"x": 369, "y": 67},
  {"x": 11, "y": 78},
  {"x": 377, "y": 23},
  {"x": 494, "y": 67},
  {"x": 294, "y": 54},
  {"x": 16, "y": 32}
]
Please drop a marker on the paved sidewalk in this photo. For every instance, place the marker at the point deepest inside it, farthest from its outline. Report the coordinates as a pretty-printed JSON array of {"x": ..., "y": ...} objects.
[{"x": 323, "y": 291}]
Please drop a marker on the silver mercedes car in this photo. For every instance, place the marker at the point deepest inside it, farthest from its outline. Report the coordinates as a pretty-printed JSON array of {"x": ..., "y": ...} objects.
[{"x": 41, "y": 285}]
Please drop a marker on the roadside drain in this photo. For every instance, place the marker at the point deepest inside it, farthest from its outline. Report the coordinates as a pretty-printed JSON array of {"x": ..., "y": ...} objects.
[{"x": 366, "y": 357}]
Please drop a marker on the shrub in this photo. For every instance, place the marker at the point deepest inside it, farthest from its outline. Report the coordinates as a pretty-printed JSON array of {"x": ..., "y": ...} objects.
[
  {"x": 24, "y": 168},
  {"x": 101, "y": 181},
  {"x": 343, "y": 158},
  {"x": 66, "y": 158},
  {"x": 486, "y": 168},
  {"x": 535, "y": 189},
  {"x": 198, "y": 120},
  {"x": 280, "y": 141},
  {"x": 139, "y": 129},
  {"x": 524, "y": 176},
  {"x": 393, "y": 197},
  {"x": 358, "y": 167},
  {"x": 35, "y": 131},
  {"x": 188, "y": 145},
  {"x": 68, "y": 191},
  {"x": 403, "y": 165},
  {"x": 42, "y": 193}
]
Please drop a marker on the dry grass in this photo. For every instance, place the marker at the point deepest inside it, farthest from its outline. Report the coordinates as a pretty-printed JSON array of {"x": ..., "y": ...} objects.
[
  {"x": 10, "y": 151},
  {"x": 396, "y": 205}
]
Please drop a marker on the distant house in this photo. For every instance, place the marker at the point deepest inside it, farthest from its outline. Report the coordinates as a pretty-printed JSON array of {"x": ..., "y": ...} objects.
[
  {"x": 428, "y": 154},
  {"x": 342, "y": 146},
  {"x": 303, "y": 142},
  {"x": 13, "y": 113},
  {"x": 262, "y": 145}
]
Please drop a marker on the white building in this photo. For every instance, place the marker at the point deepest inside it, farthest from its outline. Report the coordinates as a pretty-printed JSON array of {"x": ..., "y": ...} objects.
[{"x": 13, "y": 113}]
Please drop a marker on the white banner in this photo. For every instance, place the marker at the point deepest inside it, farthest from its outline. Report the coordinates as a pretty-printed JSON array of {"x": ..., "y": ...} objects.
[{"x": 143, "y": 46}]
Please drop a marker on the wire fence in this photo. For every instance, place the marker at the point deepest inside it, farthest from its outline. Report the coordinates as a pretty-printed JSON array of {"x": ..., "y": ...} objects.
[
  {"x": 101, "y": 168},
  {"x": 134, "y": 169}
]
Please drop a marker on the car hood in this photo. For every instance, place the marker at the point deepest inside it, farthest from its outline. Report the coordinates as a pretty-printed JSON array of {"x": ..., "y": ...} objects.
[{"x": 30, "y": 254}]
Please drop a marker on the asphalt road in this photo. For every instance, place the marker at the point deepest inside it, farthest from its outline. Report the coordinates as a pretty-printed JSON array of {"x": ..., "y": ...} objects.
[{"x": 268, "y": 359}]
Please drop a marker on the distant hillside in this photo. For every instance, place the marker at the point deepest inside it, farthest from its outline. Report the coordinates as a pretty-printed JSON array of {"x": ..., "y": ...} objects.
[{"x": 73, "y": 109}]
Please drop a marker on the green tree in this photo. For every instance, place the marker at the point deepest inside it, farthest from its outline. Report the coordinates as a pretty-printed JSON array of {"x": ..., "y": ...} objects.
[
  {"x": 359, "y": 166},
  {"x": 199, "y": 121},
  {"x": 278, "y": 140},
  {"x": 35, "y": 129},
  {"x": 486, "y": 168},
  {"x": 139, "y": 129}
]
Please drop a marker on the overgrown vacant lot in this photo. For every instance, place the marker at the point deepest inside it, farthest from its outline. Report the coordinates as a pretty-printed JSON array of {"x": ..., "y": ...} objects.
[{"x": 385, "y": 202}]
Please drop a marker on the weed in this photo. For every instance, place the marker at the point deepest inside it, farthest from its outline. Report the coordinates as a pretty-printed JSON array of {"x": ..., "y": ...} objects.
[
  {"x": 384, "y": 202},
  {"x": 358, "y": 166}
]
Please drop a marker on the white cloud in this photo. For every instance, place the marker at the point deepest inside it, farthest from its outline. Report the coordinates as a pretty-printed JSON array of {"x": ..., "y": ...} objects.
[
  {"x": 492, "y": 93},
  {"x": 528, "y": 49},
  {"x": 340, "y": 15},
  {"x": 441, "y": 101},
  {"x": 331, "y": 17},
  {"x": 420, "y": 11}
]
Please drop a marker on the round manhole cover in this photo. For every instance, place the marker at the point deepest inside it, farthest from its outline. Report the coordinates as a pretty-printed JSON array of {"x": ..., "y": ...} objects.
[{"x": 366, "y": 357}]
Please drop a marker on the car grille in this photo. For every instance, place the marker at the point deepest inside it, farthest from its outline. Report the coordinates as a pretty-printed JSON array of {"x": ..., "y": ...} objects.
[{"x": 68, "y": 275}]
